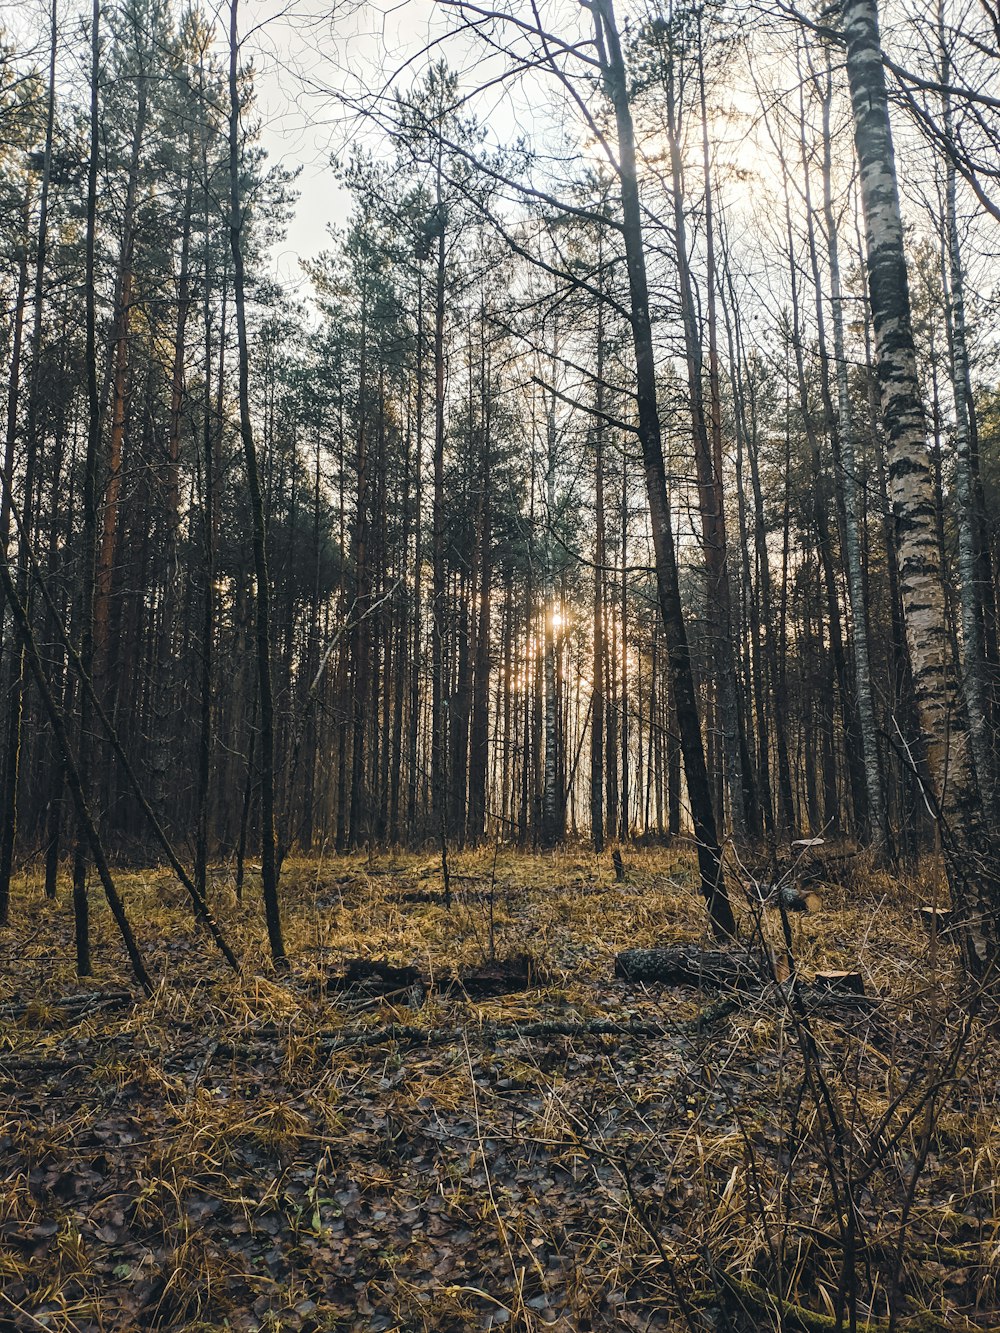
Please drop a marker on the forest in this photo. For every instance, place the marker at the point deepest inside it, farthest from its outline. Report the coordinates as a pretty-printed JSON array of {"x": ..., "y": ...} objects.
[{"x": 500, "y": 704}]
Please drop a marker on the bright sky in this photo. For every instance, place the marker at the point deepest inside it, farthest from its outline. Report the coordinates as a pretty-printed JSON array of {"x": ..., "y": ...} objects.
[
  {"x": 313, "y": 57},
  {"x": 308, "y": 56}
]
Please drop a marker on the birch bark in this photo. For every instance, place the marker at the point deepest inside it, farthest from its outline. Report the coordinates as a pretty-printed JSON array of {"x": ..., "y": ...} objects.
[
  {"x": 976, "y": 892},
  {"x": 878, "y": 821},
  {"x": 975, "y": 685}
]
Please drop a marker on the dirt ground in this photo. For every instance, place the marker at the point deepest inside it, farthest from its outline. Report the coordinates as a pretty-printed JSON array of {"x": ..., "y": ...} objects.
[{"x": 270, "y": 1151}]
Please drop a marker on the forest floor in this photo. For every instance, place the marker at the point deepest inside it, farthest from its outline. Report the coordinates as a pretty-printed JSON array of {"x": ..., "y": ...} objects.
[{"x": 269, "y": 1152}]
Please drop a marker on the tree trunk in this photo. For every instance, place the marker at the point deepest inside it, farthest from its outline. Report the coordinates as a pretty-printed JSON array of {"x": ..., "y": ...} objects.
[
  {"x": 944, "y": 727},
  {"x": 824, "y": 535},
  {"x": 439, "y": 735},
  {"x": 362, "y": 690},
  {"x": 975, "y": 678},
  {"x": 707, "y": 452},
  {"x": 119, "y": 390},
  {"x": 479, "y": 739},
  {"x": 709, "y": 855},
  {"x": 165, "y": 684},
  {"x": 597, "y": 740},
  {"x": 552, "y": 830},
  {"x": 853, "y": 528},
  {"x": 88, "y": 564},
  {"x": 15, "y": 708},
  {"x": 269, "y": 868}
]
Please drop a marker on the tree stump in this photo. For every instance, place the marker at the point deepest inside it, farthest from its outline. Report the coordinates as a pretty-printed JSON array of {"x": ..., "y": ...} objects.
[
  {"x": 373, "y": 976},
  {"x": 936, "y": 920},
  {"x": 851, "y": 982}
]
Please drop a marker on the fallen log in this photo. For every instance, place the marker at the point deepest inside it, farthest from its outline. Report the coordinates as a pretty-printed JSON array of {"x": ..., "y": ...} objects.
[
  {"x": 501, "y": 976},
  {"x": 744, "y": 972},
  {"x": 687, "y": 965},
  {"x": 786, "y": 1314},
  {"x": 266, "y": 1044},
  {"x": 406, "y": 1034},
  {"x": 70, "y": 1007}
]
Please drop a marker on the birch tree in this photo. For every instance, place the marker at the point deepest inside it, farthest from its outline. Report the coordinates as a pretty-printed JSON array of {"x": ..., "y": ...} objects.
[{"x": 945, "y": 735}]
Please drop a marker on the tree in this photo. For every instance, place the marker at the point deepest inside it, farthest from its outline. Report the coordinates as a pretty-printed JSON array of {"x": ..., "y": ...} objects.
[
  {"x": 262, "y": 589},
  {"x": 943, "y": 723},
  {"x": 709, "y": 856}
]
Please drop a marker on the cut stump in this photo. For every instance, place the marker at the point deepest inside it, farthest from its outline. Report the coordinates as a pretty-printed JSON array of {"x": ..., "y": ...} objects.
[
  {"x": 375, "y": 977},
  {"x": 936, "y": 920},
  {"x": 500, "y": 977},
  {"x": 851, "y": 982}
]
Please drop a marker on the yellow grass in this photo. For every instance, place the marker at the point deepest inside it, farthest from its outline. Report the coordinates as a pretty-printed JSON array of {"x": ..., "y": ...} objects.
[{"x": 563, "y": 1182}]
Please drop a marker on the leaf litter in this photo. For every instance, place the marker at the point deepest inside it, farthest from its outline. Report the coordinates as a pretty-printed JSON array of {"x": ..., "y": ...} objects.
[{"x": 256, "y": 1153}]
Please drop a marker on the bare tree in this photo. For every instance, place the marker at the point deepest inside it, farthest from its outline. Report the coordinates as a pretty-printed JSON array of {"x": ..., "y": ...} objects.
[{"x": 939, "y": 704}]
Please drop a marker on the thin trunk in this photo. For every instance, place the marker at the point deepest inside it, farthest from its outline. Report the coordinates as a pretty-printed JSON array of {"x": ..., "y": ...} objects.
[
  {"x": 361, "y": 638},
  {"x": 597, "y": 740},
  {"x": 87, "y": 826},
  {"x": 709, "y": 855},
  {"x": 119, "y": 391},
  {"x": 416, "y": 650},
  {"x": 975, "y": 676},
  {"x": 165, "y": 684},
  {"x": 439, "y": 745},
  {"x": 479, "y": 739},
  {"x": 552, "y": 830},
  {"x": 88, "y": 564},
  {"x": 624, "y": 702},
  {"x": 269, "y": 870},
  {"x": 745, "y": 818},
  {"x": 15, "y": 707},
  {"x": 821, "y": 516},
  {"x": 707, "y": 452},
  {"x": 207, "y": 681}
]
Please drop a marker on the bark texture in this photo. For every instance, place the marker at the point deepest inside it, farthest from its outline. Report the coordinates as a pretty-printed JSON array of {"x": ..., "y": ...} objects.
[{"x": 911, "y": 486}]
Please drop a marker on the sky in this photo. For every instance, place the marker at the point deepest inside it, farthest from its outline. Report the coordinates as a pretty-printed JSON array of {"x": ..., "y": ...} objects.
[
  {"x": 314, "y": 59},
  {"x": 309, "y": 55},
  {"x": 309, "y": 58}
]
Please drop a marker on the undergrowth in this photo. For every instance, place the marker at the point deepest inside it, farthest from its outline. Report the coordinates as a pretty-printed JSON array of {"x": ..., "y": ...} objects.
[{"x": 229, "y": 1154}]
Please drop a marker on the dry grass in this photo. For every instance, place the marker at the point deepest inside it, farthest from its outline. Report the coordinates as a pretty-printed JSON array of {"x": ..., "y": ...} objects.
[{"x": 203, "y": 1161}]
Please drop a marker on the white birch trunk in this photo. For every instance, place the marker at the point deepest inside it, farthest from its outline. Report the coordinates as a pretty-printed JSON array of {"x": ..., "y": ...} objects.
[
  {"x": 975, "y": 889},
  {"x": 852, "y": 509},
  {"x": 975, "y": 688}
]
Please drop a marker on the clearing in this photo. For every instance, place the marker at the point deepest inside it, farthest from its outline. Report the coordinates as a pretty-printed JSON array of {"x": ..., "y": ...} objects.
[{"x": 582, "y": 1153}]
